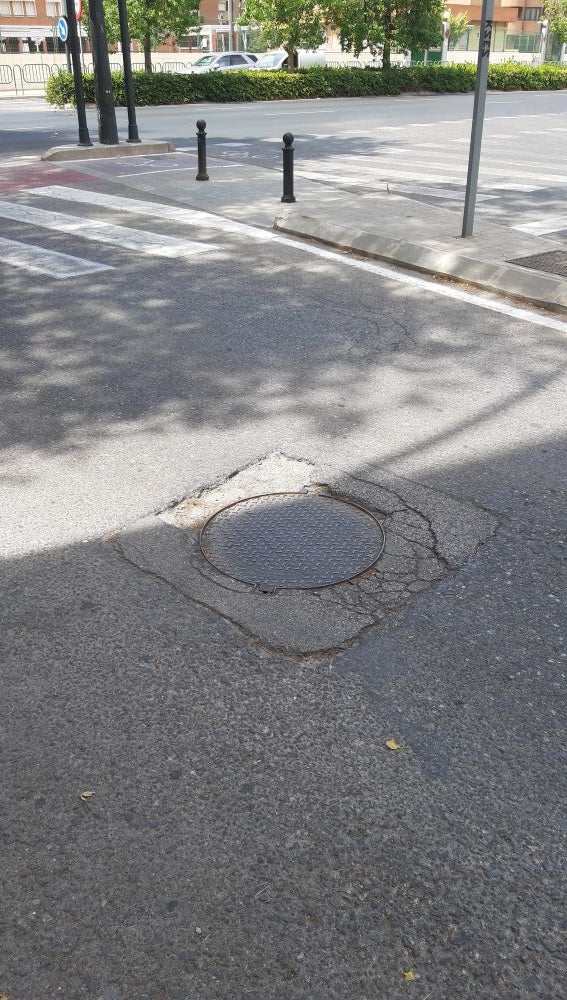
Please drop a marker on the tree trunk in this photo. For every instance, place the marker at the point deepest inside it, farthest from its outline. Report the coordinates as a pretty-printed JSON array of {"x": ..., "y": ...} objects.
[
  {"x": 148, "y": 52},
  {"x": 386, "y": 55},
  {"x": 290, "y": 60}
]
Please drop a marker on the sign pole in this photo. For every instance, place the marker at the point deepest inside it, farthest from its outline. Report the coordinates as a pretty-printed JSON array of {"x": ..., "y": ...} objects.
[
  {"x": 478, "y": 115},
  {"x": 73, "y": 43},
  {"x": 107, "y": 128},
  {"x": 128, "y": 82}
]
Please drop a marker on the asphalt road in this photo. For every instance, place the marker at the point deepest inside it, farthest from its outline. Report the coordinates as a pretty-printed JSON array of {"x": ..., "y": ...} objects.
[
  {"x": 416, "y": 145},
  {"x": 249, "y": 833}
]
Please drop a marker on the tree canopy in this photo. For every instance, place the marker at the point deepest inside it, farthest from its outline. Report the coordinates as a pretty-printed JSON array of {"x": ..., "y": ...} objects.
[
  {"x": 152, "y": 21},
  {"x": 287, "y": 24},
  {"x": 458, "y": 24},
  {"x": 556, "y": 13},
  {"x": 380, "y": 25}
]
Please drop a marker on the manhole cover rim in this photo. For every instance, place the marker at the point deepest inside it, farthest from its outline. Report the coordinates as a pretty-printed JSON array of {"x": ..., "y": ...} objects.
[{"x": 294, "y": 493}]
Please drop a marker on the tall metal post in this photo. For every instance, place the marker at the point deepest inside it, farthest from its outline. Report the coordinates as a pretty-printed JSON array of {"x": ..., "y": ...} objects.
[
  {"x": 106, "y": 112},
  {"x": 73, "y": 43},
  {"x": 484, "y": 41},
  {"x": 445, "y": 40},
  {"x": 128, "y": 82},
  {"x": 230, "y": 26}
]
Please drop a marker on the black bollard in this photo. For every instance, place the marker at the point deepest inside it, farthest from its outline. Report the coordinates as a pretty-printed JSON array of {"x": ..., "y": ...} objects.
[
  {"x": 202, "y": 174},
  {"x": 287, "y": 148}
]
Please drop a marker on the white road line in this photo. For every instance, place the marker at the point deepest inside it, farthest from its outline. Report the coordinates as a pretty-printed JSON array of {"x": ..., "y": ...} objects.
[
  {"x": 276, "y": 114},
  {"x": 508, "y": 186},
  {"x": 446, "y": 291},
  {"x": 169, "y": 170},
  {"x": 553, "y": 224},
  {"x": 446, "y": 193},
  {"x": 182, "y": 216},
  {"x": 103, "y": 232},
  {"x": 198, "y": 217},
  {"x": 48, "y": 262}
]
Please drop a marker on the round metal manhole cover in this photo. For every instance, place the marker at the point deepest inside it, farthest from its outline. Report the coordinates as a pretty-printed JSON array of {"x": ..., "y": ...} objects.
[{"x": 292, "y": 540}]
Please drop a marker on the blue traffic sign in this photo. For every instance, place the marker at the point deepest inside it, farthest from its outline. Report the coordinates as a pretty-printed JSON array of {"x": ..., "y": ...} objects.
[{"x": 62, "y": 29}]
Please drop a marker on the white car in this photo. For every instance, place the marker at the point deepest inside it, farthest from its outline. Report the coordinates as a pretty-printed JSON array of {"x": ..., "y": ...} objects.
[
  {"x": 214, "y": 61},
  {"x": 279, "y": 60}
]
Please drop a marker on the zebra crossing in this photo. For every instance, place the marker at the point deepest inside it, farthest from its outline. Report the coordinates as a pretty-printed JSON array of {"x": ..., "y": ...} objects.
[{"x": 58, "y": 265}]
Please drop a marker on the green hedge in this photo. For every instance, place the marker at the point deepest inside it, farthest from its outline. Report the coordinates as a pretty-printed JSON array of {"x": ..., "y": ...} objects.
[{"x": 168, "y": 88}]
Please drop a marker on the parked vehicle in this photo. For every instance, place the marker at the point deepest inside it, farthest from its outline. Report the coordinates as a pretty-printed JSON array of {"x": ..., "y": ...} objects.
[
  {"x": 214, "y": 61},
  {"x": 279, "y": 60}
]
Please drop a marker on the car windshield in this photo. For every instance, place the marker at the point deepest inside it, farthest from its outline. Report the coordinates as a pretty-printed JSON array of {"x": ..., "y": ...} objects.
[
  {"x": 270, "y": 59},
  {"x": 205, "y": 61}
]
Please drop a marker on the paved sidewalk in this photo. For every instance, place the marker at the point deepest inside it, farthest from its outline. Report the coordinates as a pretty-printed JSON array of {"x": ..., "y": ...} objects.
[{"x": 385, "y": 226}]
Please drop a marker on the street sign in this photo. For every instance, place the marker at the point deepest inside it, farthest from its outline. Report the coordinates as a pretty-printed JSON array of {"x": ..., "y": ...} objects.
[
  {"x": 78, "y": 9},
  {"x": 62, "y": 29}
]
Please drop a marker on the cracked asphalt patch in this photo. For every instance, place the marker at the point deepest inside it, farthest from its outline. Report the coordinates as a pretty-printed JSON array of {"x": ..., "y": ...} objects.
[{"x": 428, "y": 537}]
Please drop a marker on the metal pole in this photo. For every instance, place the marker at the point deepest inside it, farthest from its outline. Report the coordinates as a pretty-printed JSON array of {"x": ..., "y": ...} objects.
[
  {"x": 287, "y": 148},
  {"x": 202, "y": 174},
  {"x": 445, "y": 41},
  {"x": 543, "y": 46},
  {"x": 478, "y": 115},
  {"x": 73, "y": 43},
  {"x": 68, "y": 54},
  {"x": 230, "y": 26},
  {"x": 128, "y": 82},
  {"x": 107, "y": 129}
]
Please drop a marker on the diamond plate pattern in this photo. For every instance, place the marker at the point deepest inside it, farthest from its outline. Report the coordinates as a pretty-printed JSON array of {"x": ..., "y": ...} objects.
[
  {"x": 286, "y": 541},
  {"x": 552, "y": 261}
]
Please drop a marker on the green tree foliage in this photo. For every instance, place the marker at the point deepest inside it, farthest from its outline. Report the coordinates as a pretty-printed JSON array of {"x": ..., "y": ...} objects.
[
  {"x": 152, "y": 21},
  {"x": 287, "y": 24},
  {"x": 556, "y": 13},
  {"x": 381, "y": 25},
  {"x": 458, "y": 24}
]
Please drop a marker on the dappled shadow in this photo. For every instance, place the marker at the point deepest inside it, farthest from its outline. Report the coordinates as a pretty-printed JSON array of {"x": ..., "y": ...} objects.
[
  {"x": 251, "y": 334},
  {"x": 226, "y": 786}
]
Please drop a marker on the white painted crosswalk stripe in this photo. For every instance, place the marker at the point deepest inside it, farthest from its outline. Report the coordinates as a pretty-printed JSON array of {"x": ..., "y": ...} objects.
[
  {"x": 182, "y": 216},
  {"x": 448, "y": 194},
  {"x": 553, "y": 224},
  {"x": 47, "y": 262},
  {"x": 104, "y": 232}
]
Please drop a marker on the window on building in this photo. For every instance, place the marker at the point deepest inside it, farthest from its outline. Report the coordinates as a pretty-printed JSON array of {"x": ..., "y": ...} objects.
[
  {"x": 54, "y": 8},
  {"x": 11, "y": 45},
  {"x": 523, "y": 43},
  {"x": 17, "y": 8},
  {"x": 460, "y": 43},
  {"x": 532, "y": 13},
  {"x": 54, "y": 45}
]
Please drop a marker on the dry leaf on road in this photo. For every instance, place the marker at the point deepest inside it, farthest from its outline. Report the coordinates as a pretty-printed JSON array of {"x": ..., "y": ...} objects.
[
  {"x": 410, "y": 976},
  {"x": 85, "y": 796},
  {"x": 393, "y": 745}
]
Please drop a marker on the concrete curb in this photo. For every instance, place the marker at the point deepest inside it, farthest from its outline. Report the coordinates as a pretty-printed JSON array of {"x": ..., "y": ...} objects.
[
  {"x": 497, "y": 276},
  {"x": 99, "y": 151}
]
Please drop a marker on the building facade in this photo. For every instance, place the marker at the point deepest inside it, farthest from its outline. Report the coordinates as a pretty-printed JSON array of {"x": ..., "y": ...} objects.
[
  {"x": 518, "y": 27},
  {"x": 28, "y": 26}
]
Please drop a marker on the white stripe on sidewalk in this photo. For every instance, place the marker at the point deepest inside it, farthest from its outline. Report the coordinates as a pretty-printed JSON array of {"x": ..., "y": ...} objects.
[
  {"x": 183, "y": 216},
  {"x": 553, "y": 224},
  {"x": 103, "y": 232},
  {"x": 48, "y": 262}
]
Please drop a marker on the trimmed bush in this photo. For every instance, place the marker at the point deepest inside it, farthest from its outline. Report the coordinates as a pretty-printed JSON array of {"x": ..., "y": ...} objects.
[{"x": 320, "y": 81}]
